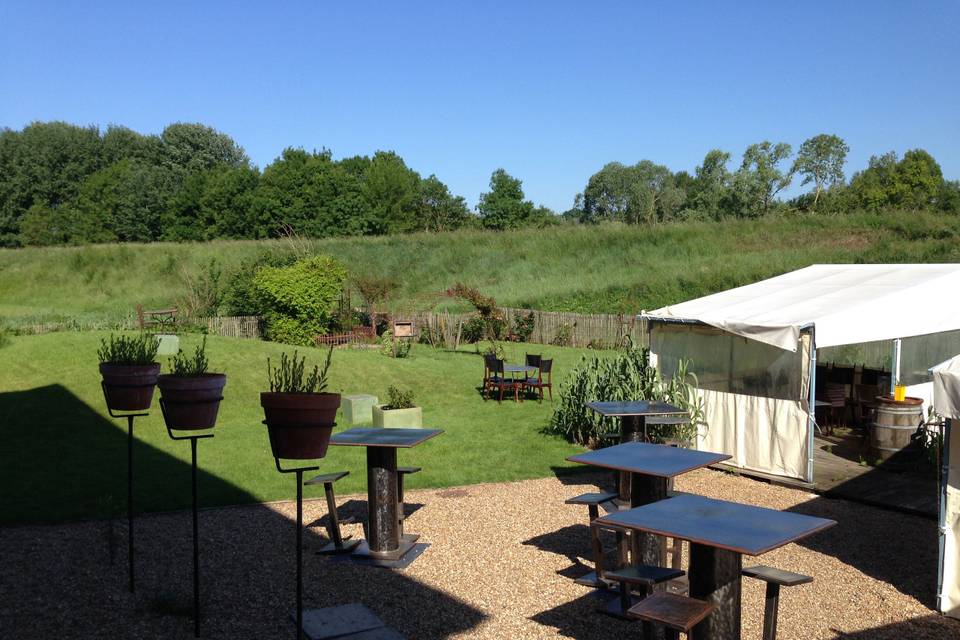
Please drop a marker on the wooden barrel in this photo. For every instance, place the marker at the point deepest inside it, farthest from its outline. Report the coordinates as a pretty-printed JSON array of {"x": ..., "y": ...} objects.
[{"x": 893, "y": 430}]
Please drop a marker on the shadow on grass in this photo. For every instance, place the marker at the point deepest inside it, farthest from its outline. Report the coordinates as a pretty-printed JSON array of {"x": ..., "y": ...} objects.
[
  {"x": 70, "y": 580},
  {"x": 63, "y": 460}
]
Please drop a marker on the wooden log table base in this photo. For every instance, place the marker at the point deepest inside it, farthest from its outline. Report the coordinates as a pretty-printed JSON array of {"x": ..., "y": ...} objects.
[{"x": 386, "y": 545}]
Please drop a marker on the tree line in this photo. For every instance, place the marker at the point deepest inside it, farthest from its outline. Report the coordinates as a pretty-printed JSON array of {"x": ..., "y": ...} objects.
[
  {"x": 66, "y": 184},
  {"x": 648, "y": 192}
]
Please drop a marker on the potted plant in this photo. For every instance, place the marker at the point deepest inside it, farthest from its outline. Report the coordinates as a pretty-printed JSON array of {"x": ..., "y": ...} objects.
[
  {"x": 129, "y": 371},
  {"x": 191, "y": 396},
  {"x": 399, "y": 411},
  {"x": 299, "y": 413}
]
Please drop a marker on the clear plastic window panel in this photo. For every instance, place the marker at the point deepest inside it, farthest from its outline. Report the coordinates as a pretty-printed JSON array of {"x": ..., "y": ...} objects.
[{"x": 728, "y": 363}]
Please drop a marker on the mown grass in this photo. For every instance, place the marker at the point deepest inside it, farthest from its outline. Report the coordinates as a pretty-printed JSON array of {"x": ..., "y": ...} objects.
[
  {"x": 63, "y": 457},
  {"x": 607, "y": 268}
]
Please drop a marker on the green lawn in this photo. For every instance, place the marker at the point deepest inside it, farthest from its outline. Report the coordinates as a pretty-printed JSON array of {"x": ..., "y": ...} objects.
[
  {"x": 592, "y": 269},
  {"x": 63, "y": 457}
]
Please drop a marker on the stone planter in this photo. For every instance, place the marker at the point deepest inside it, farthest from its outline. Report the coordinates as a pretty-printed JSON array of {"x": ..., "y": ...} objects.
[
  {"x": 358, "y": 409},
  {"x": 412, "y": 417}
]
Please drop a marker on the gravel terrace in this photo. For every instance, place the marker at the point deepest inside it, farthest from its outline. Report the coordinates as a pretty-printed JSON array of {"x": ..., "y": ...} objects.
[{"x": 501, "y": 565}]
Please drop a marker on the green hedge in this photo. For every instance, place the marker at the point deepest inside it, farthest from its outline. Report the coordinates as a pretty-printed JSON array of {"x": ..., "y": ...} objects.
[{"x": 299, "y": 300}]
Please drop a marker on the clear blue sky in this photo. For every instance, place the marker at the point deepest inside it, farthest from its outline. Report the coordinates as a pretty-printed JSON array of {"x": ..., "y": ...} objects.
[{"x": 549, "y": 91}]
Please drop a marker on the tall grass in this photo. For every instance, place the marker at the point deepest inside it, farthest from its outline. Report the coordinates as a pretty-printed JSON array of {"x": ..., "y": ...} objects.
[{"x": 607, "y": 268}]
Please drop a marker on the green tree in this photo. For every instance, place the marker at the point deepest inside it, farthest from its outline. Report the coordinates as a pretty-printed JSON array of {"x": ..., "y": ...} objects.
[
  {"x": 392, "y": 191},
  {"x": 820, "y": 160},
  {"x": 194, "y": 147},
  {"x": 711, "y": 185},
  {"x": 44, "y": 164},
  {"x": 438, "y": 209},
  {"x": 503, "y": 207},
  {"x": 644, "y": 192},
  {"x": 127, "y": 201},
  {"x": 914, "y": 182},
  {"x": 760, "y": 178}
]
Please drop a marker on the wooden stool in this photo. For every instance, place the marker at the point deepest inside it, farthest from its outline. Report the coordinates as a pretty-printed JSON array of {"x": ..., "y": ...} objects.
[
  {"x": 775, "y": 578},
  {"x": 338, "y": 543},
  {"x": 593, "y": 502},
  {"x": 644, "y": 575},
  {"x": 679, "y": 614},
  {"x": 401, "y": 473}
]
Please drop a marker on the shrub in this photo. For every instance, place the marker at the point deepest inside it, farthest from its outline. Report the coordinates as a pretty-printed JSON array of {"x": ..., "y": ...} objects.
[
  {"x": 399, "y": 398},
  {"x": 299, "y": 299},
  {"x": 523, "y": 325},
  {"x": 473, "y": 330},
  {"x": 564, "y": 335},
  {"x": 203, "y": 294},
  {"x": 291, "y": 376},
  {"x": 184, "y": 366},
  {"x": 129, "y": 350},
  {"x": 239, "y": 296},
  {"x": 627, "y": 376},
  {"x": 399, "y": 349}
]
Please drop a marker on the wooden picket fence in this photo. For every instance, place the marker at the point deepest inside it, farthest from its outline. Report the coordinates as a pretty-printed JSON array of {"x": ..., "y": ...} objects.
[
  {"x": 226, "y": 326},
  {"x": 597, "y": 330},
  {"x": 233, "y": 326}
]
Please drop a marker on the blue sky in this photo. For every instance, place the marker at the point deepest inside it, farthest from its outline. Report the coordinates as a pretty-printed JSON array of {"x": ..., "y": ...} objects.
[{"x": 549, "y": 91}]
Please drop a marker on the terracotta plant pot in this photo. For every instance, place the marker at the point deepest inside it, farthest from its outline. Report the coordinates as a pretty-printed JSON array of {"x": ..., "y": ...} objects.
[
  {"x": 299, "y": 424},
  {"x": 191, "y": 403},
  {"x": 129, "y": 387}
]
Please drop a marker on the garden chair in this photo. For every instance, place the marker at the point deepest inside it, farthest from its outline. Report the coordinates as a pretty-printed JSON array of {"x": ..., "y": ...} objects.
[
  {"x": 489, "y": 364},
  {"x": 502, "y": 382},
  {"x": 533, "y": 359},
  {"x": 865, "y": 402},
  {"x": 544, "y": 379},
  {"x": 836, "y": 396}
]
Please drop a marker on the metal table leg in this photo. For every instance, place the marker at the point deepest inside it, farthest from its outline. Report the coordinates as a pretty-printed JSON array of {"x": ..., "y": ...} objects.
[{"x": 715, "y": 577}]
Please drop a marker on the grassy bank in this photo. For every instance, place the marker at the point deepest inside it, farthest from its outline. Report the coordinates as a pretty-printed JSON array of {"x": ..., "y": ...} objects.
[
  {"x": 64, "y": 457},
  {"x": 607, "y": 268}
]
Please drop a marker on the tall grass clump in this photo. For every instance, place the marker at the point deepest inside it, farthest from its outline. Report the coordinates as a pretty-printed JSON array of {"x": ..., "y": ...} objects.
[{"x": 627, "y": 376}]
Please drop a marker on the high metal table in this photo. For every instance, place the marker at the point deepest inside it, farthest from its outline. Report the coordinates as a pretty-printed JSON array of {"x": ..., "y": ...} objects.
[
  {"x": 384, "y": 542},
  {"x": 649, "y": 467},
  {"x": 633, "y": 426},
  {"x": 720, "y": 534}
]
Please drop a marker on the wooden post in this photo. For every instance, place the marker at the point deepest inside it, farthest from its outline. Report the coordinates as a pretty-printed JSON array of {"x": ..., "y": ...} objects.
[{"x": 715, "y": 577}]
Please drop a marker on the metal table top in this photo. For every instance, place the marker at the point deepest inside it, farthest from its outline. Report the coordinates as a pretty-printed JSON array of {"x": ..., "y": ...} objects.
[
  {"x": 649, "y": 459},
  {"x": 389, "y": 437},
  {"x": 717, "y": 523}
]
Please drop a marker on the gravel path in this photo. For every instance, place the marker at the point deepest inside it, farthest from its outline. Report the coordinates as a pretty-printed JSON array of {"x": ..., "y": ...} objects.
[{"x": 501, "y": 565}]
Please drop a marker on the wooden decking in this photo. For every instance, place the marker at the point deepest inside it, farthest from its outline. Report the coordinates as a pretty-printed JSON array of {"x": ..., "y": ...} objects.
[{"x": 840, "y": 471}]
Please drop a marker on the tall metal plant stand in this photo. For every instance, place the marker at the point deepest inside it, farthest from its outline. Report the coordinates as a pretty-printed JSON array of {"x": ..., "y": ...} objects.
[
  {"x": 129, "y": 417},
  {"x": 196, "y": 528},
  {"x": 299, "y": 471}
]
